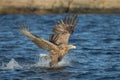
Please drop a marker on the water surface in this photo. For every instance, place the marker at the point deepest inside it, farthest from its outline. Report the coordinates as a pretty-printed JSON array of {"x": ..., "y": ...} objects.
[{"x": 97, "y": 56}]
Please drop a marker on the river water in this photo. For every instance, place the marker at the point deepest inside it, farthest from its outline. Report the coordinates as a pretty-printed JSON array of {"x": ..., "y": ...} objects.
[{"x": 97, "y": 56}]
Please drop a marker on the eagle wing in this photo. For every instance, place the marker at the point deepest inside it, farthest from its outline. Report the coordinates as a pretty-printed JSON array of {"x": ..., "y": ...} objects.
[
  {"x": 40, "y": 42},
  {"x": 63, "y": 29}
]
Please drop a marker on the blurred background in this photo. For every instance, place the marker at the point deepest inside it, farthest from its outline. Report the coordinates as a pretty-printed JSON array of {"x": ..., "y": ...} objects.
[{"x": 59, "y": 6}]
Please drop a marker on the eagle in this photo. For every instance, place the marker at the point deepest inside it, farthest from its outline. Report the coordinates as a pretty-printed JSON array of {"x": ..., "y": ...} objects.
[{"x": 58, "y": 41}]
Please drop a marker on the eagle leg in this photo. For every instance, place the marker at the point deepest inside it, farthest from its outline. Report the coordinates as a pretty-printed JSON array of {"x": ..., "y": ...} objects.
[{"x": 54, "y": 60}]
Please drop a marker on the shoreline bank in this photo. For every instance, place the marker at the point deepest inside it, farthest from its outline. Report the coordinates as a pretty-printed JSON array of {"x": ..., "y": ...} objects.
[{"x": 59, "y": 6}]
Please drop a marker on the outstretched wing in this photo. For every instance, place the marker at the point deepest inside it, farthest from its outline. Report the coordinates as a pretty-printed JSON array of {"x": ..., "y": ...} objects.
[
  {"x": 40, "y": 42},
  {"x": 63, "y": 29}
]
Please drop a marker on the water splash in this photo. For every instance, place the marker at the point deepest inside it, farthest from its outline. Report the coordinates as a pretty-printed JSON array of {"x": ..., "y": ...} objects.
[
  {"x": 66, "y": 61},
  {"x": 12, "y": 64},
  {"x": 44, "y": 61}
]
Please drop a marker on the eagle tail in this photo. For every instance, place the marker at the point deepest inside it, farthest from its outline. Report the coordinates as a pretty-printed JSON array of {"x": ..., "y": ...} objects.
[{"x": 27, "y": 33}]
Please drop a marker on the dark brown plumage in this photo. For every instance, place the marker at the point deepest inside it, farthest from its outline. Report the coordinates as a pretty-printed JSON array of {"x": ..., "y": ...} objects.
[{"x": 58, "y": 44}]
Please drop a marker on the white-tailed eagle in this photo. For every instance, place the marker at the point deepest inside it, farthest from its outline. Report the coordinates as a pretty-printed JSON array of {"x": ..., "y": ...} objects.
[{"x": 58, "y": 43}]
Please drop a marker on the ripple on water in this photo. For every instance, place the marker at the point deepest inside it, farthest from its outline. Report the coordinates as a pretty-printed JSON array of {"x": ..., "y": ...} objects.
[{"x": 96, "y": 57}]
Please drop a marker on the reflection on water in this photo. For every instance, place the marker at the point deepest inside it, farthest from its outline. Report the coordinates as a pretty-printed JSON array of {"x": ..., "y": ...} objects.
[{"x": 96, "y": 58}]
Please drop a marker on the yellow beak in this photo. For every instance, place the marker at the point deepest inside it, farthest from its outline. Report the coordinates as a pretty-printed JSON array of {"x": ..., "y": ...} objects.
[{"x": 74, "y": 47}]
